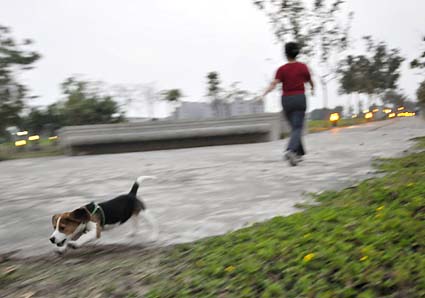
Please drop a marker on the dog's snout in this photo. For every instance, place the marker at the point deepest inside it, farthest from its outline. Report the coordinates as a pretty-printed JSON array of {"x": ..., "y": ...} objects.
[{"x": 52, "y": 239}]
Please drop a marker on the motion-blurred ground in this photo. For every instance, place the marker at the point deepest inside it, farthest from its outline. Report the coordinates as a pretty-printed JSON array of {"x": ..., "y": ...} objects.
[{"x": 199, "y": 192}]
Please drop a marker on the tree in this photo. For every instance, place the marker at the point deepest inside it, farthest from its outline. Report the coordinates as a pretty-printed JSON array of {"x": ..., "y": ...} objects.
[
  {"x": 317, "y": 28},
  {"x": 348, "y": 79},
  {"x": 34, "y": 121},
  {"x": 384, "y": 67},
  {"x": 339, "y": 109},
  {"x": 420, "y": 93},
  {"x": 172, "y": 96},
  {"x": 213, "y": 83},
  {"x": 351, "y": 73},
  {"x": 360, "y": 107},
  {"x": 54, "y": 117},
  {"x": 14, "y": 57},
  {"x": 394, "y": 98},
  {"x": 322, "y": 30},
  {"x": 419, "y": 62},
  {"x": 371, "y": 74},
  {"x": 85, "y": 104},
  {"x": 44, "y": 121}
]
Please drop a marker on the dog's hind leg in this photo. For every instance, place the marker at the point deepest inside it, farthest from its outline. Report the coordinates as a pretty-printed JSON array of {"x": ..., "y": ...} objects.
[
  {"x": 137, "y": 208},
  {"x": 140, "y": 210},
  {"x": 152, "y": 223},
  {"x": 134, "y": 226}
]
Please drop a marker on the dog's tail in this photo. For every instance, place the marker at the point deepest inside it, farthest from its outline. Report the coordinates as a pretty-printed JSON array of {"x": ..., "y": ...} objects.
[{"x": 138, "y": 182}]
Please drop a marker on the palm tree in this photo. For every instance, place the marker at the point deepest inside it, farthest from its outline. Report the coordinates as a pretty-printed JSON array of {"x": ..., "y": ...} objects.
[
  {"x": 213, "y": 83},
  {"x": 172, "y": 96}
]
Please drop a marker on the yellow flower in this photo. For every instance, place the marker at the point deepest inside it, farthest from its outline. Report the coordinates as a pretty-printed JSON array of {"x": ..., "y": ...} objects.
[
  {"x": 199, "y": 263},
  {"x": 307, "y": 235},
  {"x": 230, "y": 269},
  {"x": 380, "y": 208},
  {"x": 309, "y": 257},
  {"x": 364, "y": 250},
  {"x": 379, "y": 215},
  {"x": 410, "y": 184},
  {"x": 364, "y": 258}
]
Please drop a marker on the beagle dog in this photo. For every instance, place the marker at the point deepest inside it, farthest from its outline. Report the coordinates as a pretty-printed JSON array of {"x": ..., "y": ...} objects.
[{"x": 85, "y": 224}]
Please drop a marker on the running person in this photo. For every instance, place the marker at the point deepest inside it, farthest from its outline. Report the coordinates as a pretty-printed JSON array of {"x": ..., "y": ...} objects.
[{"x": 293, "y": 75}]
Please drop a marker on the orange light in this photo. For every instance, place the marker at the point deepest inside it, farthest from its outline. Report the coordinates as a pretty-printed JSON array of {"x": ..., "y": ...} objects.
[
  {"x": 386, "y": 111},
  {"x": 368, "y": 115},
  {"x": 406, "y": 114},
  {"x": 375, "y": 110},
  {"x": 400, "y": 109},
  {"x": 354, "y": 116},
  {"x": 391, "y": 115},
  {"x": 334, "y": 117}
]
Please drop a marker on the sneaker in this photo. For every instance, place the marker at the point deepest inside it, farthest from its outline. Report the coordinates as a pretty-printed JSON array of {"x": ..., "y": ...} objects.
[
  {"x": 299, "y": 158},
  {"x": 291, "y": 157}
]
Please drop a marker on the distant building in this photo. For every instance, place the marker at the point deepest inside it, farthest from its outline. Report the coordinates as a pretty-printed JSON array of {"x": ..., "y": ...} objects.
[
  {"x": 245, "y": 107},
  {"x": 203, "y": 110},
  {"x": 193, "y": 110}
]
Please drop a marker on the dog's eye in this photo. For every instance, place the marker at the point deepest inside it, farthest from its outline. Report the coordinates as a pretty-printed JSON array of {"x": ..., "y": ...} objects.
[{"x": 61, "y": 229}]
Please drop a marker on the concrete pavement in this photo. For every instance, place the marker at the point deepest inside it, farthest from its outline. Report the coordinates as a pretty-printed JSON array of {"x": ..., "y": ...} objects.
[{"x": 200, "y": 191}]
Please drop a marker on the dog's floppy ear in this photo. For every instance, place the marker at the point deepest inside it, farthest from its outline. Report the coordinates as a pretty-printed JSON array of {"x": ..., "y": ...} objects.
[
  {"x": 55, "y": 219},
  {"x": 81, "y": 214}
]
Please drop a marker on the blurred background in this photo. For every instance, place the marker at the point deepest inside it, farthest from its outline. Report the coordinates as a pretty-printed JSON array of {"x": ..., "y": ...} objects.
[
  {"x": 103, "y": 62},
  {"x": 88, "y": 77}
]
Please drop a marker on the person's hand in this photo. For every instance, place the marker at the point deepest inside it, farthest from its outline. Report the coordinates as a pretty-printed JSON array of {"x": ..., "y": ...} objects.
[
  {"x": 260, "y": 98},
  {"x": 312, "y": 92}
]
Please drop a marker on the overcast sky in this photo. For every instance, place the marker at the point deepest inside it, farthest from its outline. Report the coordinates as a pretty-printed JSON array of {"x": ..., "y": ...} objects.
[{"x": 175, "y": 43}]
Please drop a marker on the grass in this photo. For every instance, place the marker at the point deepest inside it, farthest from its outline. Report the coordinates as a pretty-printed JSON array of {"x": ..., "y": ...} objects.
[
  {"x": 8, "y": 151},
  {"x": 365, "y": 241},
  {"x": 322, "y": 125}
]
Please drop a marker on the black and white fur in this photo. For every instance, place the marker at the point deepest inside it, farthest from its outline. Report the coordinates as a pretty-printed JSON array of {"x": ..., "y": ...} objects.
[{"x": 116, "y": 212}]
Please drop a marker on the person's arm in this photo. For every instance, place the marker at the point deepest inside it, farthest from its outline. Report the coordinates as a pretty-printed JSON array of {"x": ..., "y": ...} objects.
[
  {"x": 309, "y": 80},
  {"x": 312, "y": 86},
  {"x": 273, "y": 85}
]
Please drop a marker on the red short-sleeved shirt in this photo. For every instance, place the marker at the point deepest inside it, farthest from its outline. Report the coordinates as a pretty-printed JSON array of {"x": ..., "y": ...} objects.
[{"x": 293, "y": 76}]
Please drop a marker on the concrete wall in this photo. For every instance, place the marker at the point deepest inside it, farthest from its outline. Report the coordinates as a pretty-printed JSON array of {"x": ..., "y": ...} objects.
[{"x": 158, "y": 135}]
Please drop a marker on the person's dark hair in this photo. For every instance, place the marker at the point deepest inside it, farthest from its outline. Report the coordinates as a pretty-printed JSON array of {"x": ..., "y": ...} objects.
[{"x": 292, "y": 49}]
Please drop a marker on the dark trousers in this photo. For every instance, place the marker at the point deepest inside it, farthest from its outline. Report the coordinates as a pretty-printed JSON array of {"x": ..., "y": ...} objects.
[{"x": 294, "y": 107}]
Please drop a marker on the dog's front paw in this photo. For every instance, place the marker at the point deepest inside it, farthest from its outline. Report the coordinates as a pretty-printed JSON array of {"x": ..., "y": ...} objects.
[
  {"x": 73, "y": 244},
  {"x": 60, "y": 250}
]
